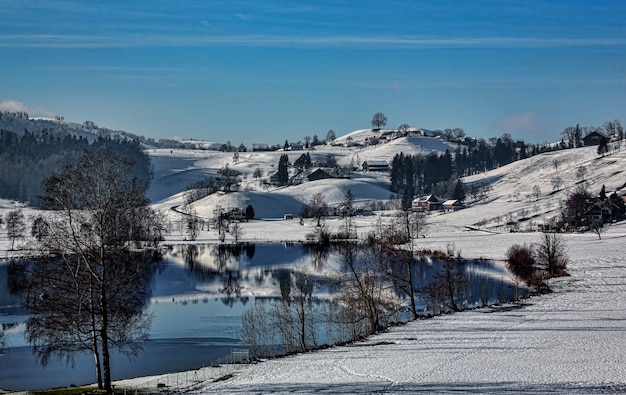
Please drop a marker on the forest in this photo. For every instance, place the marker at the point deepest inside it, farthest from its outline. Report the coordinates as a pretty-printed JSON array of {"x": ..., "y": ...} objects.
[{"x": 27, "y": 160}]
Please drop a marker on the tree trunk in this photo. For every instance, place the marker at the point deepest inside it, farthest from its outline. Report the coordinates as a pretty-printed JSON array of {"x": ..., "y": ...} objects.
[
  {"x": 94, "y": 338},
  {"x": 106, "y": 358},
  {"x": 106, "y": 362}
]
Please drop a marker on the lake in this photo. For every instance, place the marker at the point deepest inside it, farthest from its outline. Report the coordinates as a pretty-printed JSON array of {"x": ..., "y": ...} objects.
[{"x": 199, "y": 293}]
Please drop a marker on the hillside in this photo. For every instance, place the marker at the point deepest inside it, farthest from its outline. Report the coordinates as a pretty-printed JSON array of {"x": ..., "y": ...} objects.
[
  {"x": 175, "y": 169},
  {"x": 509, "y": 198},
  {"x": 512, "y": 185}
]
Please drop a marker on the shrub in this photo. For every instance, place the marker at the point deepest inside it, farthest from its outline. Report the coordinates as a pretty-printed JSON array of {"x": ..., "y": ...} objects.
[{"x": 520, "y": 260}]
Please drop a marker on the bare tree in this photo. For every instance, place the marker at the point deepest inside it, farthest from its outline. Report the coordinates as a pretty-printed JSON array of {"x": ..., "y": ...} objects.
[
  {"x": 458, "y": 133},
  {"x": 404, "y": 128},
  {"x": 551, "y": 254},
  {"x": 257, "y": 330},
  {"x": 556, "y": 182},
  {"x": 318, "y": 207},
  {"x": 192, "y": 221},
  {"x": 229, "y": 178},
  {"x": 598, "y": 228},
  {"x": 236, "y": 230},
  {"x": 365, "y": 299},
  {"x": 536, "y": 192},
  {"x": 87, "y": 293},
  {"x": 379, "y": 120},
  {"x": 16, "y": 226},
  {"x": 39, "y": 228},
  {"x": 402, "y": 259}
]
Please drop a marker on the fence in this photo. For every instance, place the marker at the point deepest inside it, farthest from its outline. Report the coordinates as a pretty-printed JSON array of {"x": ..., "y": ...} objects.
[{"x": 221, "y": 369}]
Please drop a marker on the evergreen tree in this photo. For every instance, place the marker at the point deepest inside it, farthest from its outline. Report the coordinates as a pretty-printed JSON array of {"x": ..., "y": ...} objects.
[
  {"x": 603, "y": 147},
  {"x": 249, "y": 212},
  {"x": 283, "y": 169},
  {"x": 459, "y": 191}
]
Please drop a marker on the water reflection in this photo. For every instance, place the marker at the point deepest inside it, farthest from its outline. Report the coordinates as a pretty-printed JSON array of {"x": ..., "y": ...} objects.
[{"x": 202, "y": 291}]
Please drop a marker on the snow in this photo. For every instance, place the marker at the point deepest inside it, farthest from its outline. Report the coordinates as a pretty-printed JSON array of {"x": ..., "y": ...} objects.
[{"x": 570, "y": 341}]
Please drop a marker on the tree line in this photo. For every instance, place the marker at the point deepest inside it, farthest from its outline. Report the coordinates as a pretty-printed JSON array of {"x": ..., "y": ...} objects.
[{"x": 27, "y": 160}]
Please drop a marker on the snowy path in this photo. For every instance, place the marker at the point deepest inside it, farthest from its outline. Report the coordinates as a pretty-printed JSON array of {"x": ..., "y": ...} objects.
[{"x": 571, "y": 341}]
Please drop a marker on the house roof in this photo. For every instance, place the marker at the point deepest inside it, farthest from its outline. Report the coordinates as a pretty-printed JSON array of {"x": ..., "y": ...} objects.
[
  {"x": 317, "y": 174},
  {"x": 427, "y": 198},
  {"x": 375, "y": 163}
]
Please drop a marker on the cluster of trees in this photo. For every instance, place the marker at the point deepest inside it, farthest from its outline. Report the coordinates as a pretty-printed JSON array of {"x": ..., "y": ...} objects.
[
  {"x": 439, "y": 173},
  {"x": 413, "y": 174},
  {"x": 98, "y": 241},
  {"x": 572, "y": 136},
  {"x": 533, "y": 264},
  {"x": 27, "y": 160}
]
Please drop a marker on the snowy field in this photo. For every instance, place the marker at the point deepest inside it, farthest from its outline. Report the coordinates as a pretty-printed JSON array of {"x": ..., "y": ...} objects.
[{"x": 570, "y": 341}]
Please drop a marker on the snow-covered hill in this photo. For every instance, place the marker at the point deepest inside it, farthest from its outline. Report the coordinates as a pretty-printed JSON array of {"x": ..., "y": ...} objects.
[
  {"x": 510, "y": 196},
  {"x": 176, "y": 169}
]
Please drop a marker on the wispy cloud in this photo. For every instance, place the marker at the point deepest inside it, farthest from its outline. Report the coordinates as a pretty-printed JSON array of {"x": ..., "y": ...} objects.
[{"x": 142, "y": 40}]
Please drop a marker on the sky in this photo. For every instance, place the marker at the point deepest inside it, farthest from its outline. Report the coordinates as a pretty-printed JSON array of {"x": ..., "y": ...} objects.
[{"x": 266, "y": 71}]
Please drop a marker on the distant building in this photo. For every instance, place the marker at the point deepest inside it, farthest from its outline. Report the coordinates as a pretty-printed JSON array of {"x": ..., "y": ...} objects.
[
  {"x": 594, "y": 138},
  {"x": 375, "y": 165},
  {"x": 318, "y": 174},
  {"x": 427, "y": 203},
  {"x": 296, "y": 147},
  {"x": 260, "y": 147},
  {"x": 452, "y": 205}
]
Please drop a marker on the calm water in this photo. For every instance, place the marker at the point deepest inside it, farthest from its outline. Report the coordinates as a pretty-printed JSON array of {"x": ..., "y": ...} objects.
[{"x": 199, "y": 293}]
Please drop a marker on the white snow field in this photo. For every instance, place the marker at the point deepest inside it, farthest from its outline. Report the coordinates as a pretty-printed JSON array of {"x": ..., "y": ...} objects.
[{"x": 570, "y": 341}]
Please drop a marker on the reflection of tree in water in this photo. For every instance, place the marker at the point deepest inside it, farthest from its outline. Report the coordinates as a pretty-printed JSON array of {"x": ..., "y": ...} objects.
[
  {"x": 318, "y": 252},
  {"x": 250, "y": 250},
  {"x": 191, "y": 252},
  {"x": 231, "y": 288},
  {"x": 225, "y": 268}
]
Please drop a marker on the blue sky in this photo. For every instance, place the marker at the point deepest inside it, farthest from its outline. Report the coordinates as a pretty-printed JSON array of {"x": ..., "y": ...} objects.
[{"x": 266, "y": 71}]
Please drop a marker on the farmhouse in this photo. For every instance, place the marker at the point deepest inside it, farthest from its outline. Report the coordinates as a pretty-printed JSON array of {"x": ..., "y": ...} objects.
[
  {"x": 594, "y": 138},
  {"x": 318, "y": 174},
  {"x": 375, "y": 165},
  {"x": 427, "y": 203},
  {"x": 452, "y": 205}
]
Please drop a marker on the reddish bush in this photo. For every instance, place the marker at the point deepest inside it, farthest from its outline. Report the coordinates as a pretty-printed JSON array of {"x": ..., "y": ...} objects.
[{"x": 521, "y": 261}]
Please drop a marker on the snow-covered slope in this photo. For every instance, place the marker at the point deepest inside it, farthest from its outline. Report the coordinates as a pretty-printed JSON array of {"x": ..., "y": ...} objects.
[{"x": 512, "y": 185}]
